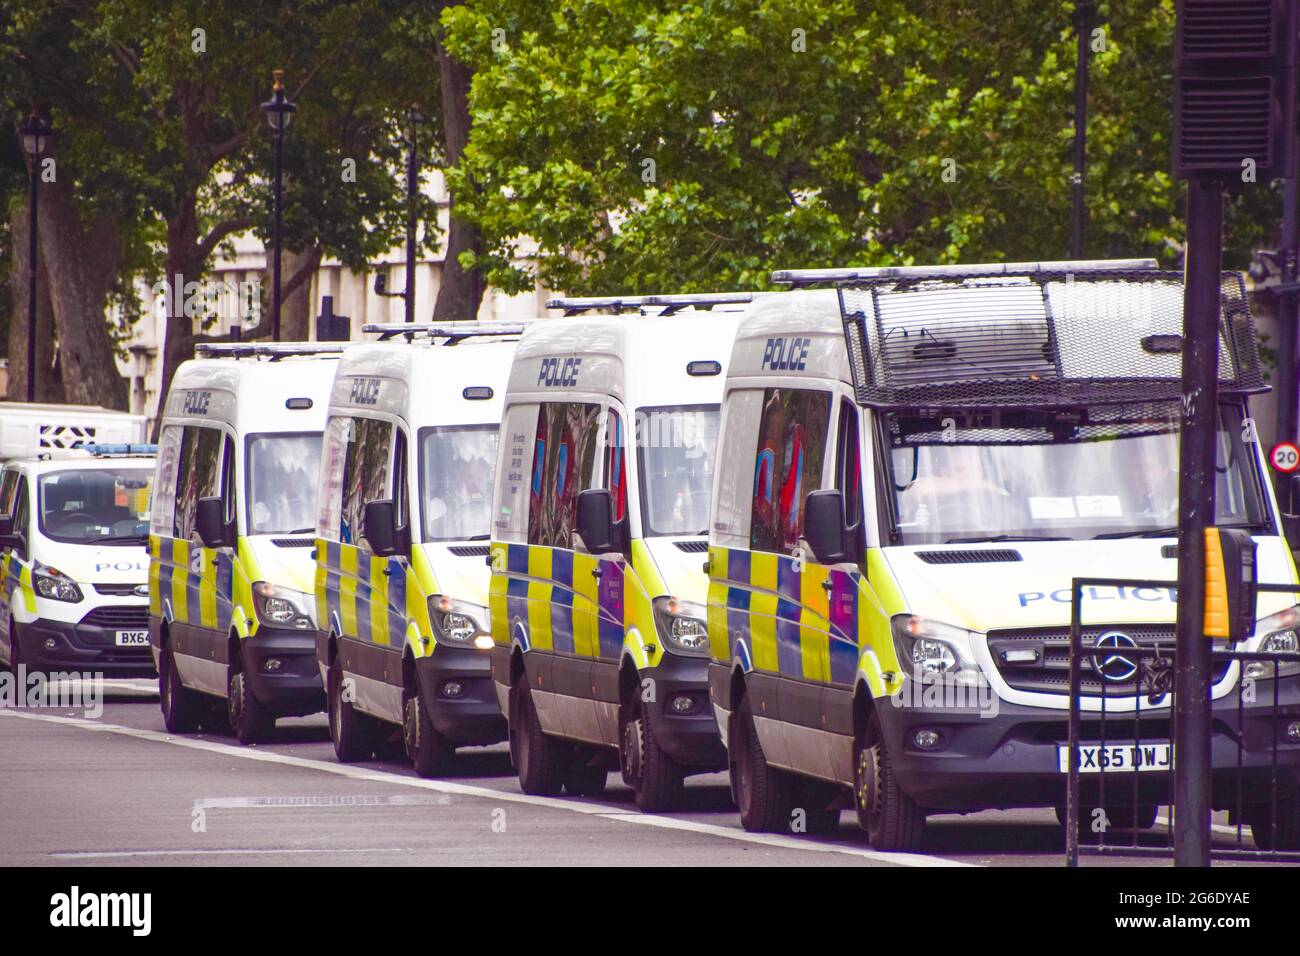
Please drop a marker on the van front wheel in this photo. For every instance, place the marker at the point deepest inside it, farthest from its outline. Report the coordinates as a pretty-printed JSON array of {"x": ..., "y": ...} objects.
[
  {"x": 764, "y": 795},
  {"x": 891, "y": 818},
  {"x": 179, "y": 704},
  {"x": 539, "y": 759},
  {"x": 654, "y": 778},
  {"x": 430, "y": 752},
  {"x": 251, "y": 722},
  {"x": 349, "y": 730}
]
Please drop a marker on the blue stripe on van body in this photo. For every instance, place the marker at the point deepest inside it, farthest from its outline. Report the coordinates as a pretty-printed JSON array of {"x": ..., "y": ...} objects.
[
  {"x": 789, "y": 656},
  {"x": 844, "y": 627}
]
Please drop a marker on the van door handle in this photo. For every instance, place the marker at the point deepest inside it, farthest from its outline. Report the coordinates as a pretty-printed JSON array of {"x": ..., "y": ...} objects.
[
  {"x": 827, "y": 586},
  {"x": 597, "y": 571}
]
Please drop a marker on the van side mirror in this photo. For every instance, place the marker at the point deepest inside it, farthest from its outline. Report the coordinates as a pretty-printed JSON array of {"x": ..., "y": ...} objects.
[
  {"x": 379, "y": 527},
  {"x": 595, "y": 524},
  {"x": 210, "y": 522},
  {"x": 825, "y": 528},
  {"x": 15, "y": 541},
  {"x": 1289, "y": 500}
]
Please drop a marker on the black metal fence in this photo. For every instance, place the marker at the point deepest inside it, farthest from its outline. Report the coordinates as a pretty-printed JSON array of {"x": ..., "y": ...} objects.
[{"x": 1120, "y": 748}]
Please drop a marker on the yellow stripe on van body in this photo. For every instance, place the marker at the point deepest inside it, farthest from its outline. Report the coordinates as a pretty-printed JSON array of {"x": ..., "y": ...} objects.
[
  {"x": 497, "y": 592},
  {"x": 762, "y": 611},
  {"x": 28, "y": 588},
  {"x": 208, "y": 589},
  {"x": 639, "y": 629},
  {"x": 348, "y": 557},
  {"x": 320, "y": 583},
  {"x": 155, "y": 566},
  {"x": 180, "y": 572},
  {"x": 719, "y": 586},
  {"x": 879, "y": 599},
  {"x": 246, "y": 570},
  {"x": 378, "y": 601},
  {"x": 814, "y": 622},
  {"x": 586, "y": 606},
  {"x": 539, "y": 598},
  {"x": 421, "y": 583}
]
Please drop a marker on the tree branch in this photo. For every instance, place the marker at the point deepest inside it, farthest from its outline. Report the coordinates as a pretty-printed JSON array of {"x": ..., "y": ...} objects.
[{"x": 204, "y": 247}]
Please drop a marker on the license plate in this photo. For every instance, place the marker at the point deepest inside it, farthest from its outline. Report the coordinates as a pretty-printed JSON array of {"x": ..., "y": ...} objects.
[
  {"x": 132, "y": 638},
  {"x": 1118, "y": 758}
]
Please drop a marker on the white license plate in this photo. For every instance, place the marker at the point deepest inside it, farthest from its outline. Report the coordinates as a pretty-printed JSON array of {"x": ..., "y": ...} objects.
[
  {"x": 132, "y": 638},
  {"x": 1118, "y": 758}
]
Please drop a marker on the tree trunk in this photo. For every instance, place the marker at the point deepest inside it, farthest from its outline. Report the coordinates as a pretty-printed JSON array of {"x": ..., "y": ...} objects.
[
  {"x": 49, "y": 386},
  {"x": 460, "y": 290},
  {"x": 295, "y": 315},
  {"x": 183, "y": 265},
  {"x": 82, "y": 258}
]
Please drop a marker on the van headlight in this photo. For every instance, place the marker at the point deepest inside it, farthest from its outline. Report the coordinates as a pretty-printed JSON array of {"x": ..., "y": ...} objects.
[
  {"x": 282, "y": 607},
  {"x": 54, "y": 584},
  {"x": 1279, "y": 634},
  {"x": 459, "y": 622},
  {"x": 931, "y": 651},
  {"x": 682, "y": 625}
]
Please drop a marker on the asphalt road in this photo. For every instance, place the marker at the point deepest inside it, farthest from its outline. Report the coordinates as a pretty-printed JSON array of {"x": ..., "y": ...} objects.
[{"x": 157, "y": 799}]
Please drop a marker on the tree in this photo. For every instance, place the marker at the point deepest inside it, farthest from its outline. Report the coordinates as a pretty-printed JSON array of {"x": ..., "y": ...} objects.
[{"x": 648, "y": 147}]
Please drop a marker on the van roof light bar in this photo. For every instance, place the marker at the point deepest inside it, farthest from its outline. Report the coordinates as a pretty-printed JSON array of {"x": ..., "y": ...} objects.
[
  {"x": 269, "y": 350},
  {"x": 806, "y": 277},
  {"x": 114, "y": 451},
  {"x": 668, "y": 303},
  {"x": 451, "y": 332}
]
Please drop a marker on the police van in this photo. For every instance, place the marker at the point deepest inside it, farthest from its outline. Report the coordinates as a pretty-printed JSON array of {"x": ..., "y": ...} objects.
[
  {"x": 74, "y": 568},
  {"x": 599, "y": 516},
  {"x": 402, "y": 539},
  {"x": 911, "y": 469},
  {"x": 32, "y": 429},
  {"x": 231, "y": 612}
]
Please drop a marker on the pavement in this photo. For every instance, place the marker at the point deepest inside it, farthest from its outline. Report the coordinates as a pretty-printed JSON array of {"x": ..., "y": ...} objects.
[{"x": 158, "y": 799}]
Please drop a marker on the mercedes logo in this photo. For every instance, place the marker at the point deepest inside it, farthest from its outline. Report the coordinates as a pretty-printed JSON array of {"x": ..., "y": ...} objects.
[
  {"x": 1115, "y": 666},
  {"x": 141, "y": 590}
]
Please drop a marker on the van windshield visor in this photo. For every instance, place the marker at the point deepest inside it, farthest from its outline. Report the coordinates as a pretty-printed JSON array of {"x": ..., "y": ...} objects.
[
  {"x": 1052, "y": 475},
  {"x": 107, "y": 506},
  {"x": 675, "y": 445},
  {"x": 457, "y": 464},
  {"x": 282, "y": 483}
]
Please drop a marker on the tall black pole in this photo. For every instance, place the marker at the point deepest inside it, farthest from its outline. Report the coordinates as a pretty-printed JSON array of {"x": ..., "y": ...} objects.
[
  {"x": 1083, "y": 11},
  {"x": 33, "y": 192},
  {"x": 1200, "y": 399},
  {"x": 412, "y": 189},
  {"x": 275, "y": 236}
]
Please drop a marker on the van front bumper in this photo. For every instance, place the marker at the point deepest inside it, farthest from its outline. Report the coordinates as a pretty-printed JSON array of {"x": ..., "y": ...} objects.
[
  {"x": 80, "y": 647},
  {"x": 456, "y": 687},
  {"x": 681, "y": 714},
  {"x": 282, "y": 672},
  {"x": 1012, "y": 759}
]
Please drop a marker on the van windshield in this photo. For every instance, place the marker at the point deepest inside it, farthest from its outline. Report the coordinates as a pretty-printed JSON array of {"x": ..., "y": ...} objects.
[
  {"x": 1047, "y": 475},
  {"x": 675, "y": 445},
  {"x": 96, "y": 506},
  {"x": 456, "y": 468},
  {"x": 281, "y": 482}
]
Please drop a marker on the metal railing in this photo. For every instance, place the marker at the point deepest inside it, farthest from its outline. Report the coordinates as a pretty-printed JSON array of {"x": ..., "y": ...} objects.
[{"x": 1130, "y": 733}]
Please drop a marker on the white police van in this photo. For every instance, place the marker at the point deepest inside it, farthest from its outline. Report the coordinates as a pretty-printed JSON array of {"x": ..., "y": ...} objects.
[
  {"x": 74, "y": 567},
  {"x": 404, "y": 510},
  {"x": 911, "y": 469},
  {"x": 231, "y": 614}
]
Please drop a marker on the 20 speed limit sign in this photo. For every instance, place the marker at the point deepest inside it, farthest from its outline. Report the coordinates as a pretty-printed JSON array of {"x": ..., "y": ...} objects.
[{"x": 1285, "y": 457}]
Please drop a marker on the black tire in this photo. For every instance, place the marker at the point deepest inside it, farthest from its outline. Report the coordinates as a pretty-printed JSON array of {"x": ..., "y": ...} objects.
[
  {"x": 250, "y": 721},
  {"x": 15, "y": 651},
  {"x": 1285, "y": 835},
  {"x": 892, "y": 820},
  {"x": 656, "y": 780},
  {"x": 764, "y": 795},
  {"x": 581, "y": 779},
  {"x": 181, "y": 707},
  {"x": 430, "y": 752},
  {"x": 351, "y": 732},
  {"x": 540, "y": 759}
]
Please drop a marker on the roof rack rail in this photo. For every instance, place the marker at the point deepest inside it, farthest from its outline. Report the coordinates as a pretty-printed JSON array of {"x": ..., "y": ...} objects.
[
  {"x": 107, "y": 450},
  {"x": 669, "y": 303},
  {"x": 271, "y": 350},
  {"x": 453, "y": 332},
  {"x": 804, "y": 277}
]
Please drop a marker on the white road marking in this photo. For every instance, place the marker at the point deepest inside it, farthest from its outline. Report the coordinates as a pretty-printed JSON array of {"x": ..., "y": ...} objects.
[
  {"x": 120, "y": 854},
  {"x": 468, "y": 790},
  {"x": 1215, "y": 827}
]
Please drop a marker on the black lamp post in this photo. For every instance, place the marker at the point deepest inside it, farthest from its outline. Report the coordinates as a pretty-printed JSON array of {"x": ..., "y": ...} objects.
[
  {"x": 1084, "y": 12},
  {"x": 412, "y": 191},
  {"x": 35, "y": 132},
  {"x": 279, "y": 111}
]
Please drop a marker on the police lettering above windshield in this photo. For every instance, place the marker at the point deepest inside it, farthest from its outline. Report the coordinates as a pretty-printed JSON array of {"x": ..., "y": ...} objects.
[
  {"x": 558, "y": 372},
  {"x": 781, "y": 354}
]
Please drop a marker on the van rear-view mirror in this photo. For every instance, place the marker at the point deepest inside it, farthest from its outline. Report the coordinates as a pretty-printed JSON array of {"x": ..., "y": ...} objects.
[
  {"x": 210, "y": 522},
  {"x": 379, "y": 527},
  {"x": 595, "y": 521},
  {"x": 825, "y": 528}
]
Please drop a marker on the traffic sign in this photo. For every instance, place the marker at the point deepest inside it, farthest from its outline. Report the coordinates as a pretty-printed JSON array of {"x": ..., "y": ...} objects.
[{"x": 1285, "y": 457}]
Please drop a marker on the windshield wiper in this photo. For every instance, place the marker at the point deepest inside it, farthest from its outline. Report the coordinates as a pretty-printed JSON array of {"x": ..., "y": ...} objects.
[
  {"x": 1138, "y": 533},
  {"x": 977, "y": 539},
  {"x": 299, "y": 531},
  {"x": 140, "y": 538},
  {"x": 479, "y": 537}
]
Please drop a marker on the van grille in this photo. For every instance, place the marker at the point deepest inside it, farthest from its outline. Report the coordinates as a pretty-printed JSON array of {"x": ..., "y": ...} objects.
[
  {"x": 1051, "y": 672},
  {"x": 293, "y": 542},
  {"x": 469, "y": 550},
  {"x": 123, "y": 616},
  {"x": 983, "y": 556},
  {"x": 117, "y": 590},
  {"x": 693, "y": 547}
]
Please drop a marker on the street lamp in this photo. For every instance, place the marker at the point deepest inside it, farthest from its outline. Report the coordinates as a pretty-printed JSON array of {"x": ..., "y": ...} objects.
[
  {"x": 279, "y": 112},
  {"x": 1084, "y": 11},
  {"x": 35, "y": 132}
]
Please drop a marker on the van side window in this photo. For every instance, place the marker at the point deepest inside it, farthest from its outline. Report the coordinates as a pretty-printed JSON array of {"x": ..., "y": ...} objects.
[
  {"x": 564, "y": 463},
  {"x": 401, "y": 501},
  {"x": 198, "y": 475},
  {"x": 365, "y": 472},
  {"x": 22, "y": 513},
  {"x": 228, "y": 480},
  {"x": 616, "y": 464},
  {"x": 8, "y": 490},
  {"x": 848, "y": 476},
  {"x": 792, "y": 438}
]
